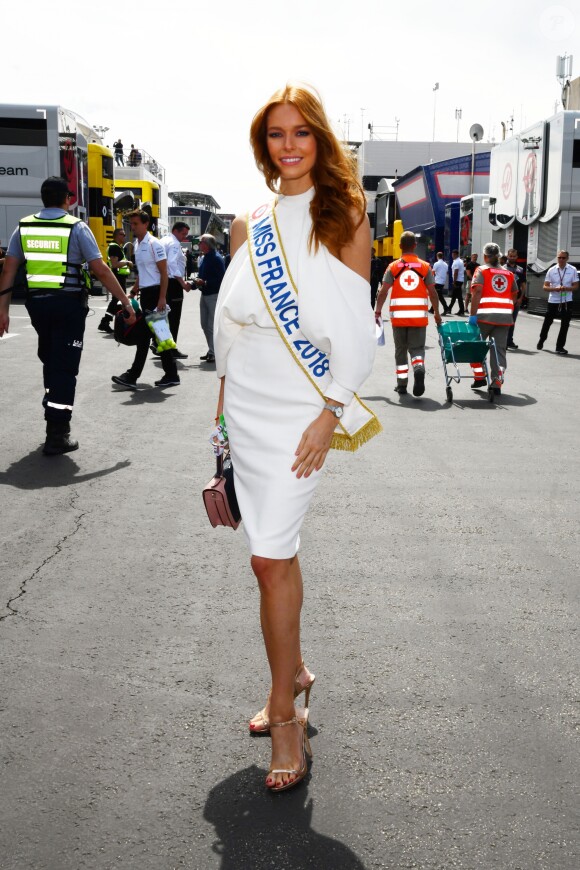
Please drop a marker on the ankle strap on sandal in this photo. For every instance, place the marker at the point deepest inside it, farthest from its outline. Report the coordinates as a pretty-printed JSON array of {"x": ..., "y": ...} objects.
[{"x": 291, "y": 721}]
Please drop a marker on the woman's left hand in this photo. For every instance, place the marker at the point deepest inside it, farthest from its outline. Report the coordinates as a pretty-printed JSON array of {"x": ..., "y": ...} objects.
[{"x": 314, "y": 445}]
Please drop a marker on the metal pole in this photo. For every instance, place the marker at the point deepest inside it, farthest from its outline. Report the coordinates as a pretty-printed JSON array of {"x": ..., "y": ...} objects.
[
  {"x": 435, "y": 89},
  {"x": 472, "y": 164},
  {"x": 458, "y": 114}
]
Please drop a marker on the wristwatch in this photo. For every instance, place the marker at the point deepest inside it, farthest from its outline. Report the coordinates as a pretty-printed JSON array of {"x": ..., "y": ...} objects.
[{"x": 337, "y": 410}]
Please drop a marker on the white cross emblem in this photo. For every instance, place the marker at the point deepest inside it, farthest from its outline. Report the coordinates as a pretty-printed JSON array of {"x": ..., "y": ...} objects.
[
  {"x": 499, "y": 283},
  {"x": 410, "y": 280}
]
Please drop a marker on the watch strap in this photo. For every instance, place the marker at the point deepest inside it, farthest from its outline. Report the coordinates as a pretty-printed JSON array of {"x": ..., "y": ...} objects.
[{"x": 333, "y": 410}]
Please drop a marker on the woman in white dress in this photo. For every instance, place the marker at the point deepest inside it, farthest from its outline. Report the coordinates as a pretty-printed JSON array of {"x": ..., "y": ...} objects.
[{"x": 280, "y": 423}]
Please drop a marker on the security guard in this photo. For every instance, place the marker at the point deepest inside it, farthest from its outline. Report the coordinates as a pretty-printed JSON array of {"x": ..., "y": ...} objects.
[
  {"x": 412, "y": 287},
  {"x": 121, "y": 268},
  {"x": 53, "y": 244},
  {"x": 493, "y": 292}
]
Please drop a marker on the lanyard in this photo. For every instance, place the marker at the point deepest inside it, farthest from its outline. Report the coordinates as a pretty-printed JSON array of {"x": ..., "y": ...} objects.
[{"x": 561, "y": 276}]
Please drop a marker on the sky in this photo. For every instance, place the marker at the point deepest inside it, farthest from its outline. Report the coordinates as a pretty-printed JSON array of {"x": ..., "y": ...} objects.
[{"x": 183, "y": 80}]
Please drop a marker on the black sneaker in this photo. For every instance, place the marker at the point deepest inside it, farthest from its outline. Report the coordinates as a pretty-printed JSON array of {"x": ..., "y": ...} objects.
[
  {"x": 178, "y": 355},
  {"x": 154, "y": 351},
  {"x": 124, "y": 380},
  {"x": 419, "y": 382},
  {"x": 168, "y": 381},
  {"x": 205, "y": 356},
  {"x": 512, "y": 346},
  {"x": 402, "y": 391},
  {"x": 540, "y": 344},
  {"x": 562, "y": 351},
  {"x": 210, "y": 358},
  {"x": 478, "y": 384},
  {"x": 105, "y": 326}
]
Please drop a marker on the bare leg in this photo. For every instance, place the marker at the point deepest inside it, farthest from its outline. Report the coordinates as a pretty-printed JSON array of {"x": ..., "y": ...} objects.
[{"x": 280, "y": 582}]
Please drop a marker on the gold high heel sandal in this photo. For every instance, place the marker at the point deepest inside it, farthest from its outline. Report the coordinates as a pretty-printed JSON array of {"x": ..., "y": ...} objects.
[
  {"x": 301, "y": 772},
  {"x": 262, "y": 725}
]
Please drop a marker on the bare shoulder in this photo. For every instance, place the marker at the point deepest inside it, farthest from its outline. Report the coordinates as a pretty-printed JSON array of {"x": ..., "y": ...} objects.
[
  {"x": 357, "y": 254},
  {"x": 239, "y": 233}
]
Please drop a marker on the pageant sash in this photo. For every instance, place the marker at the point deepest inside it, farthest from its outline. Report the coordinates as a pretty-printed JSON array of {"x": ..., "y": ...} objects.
[{"x": 358, "y": 424}]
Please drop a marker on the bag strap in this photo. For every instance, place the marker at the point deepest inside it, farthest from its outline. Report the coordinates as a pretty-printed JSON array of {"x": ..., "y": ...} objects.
[{"x": 219, "y": 461}]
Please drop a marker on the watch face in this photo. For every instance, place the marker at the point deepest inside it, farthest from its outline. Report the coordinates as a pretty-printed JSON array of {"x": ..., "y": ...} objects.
[{"x": 338, "y": 413}]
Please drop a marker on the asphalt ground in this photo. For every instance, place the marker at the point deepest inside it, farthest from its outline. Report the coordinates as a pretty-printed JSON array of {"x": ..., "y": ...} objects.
[{"x": 440, "y": 618}]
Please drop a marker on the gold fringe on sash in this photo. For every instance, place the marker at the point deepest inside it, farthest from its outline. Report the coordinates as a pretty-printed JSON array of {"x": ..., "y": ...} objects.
[{"x": 341, "y": 441}]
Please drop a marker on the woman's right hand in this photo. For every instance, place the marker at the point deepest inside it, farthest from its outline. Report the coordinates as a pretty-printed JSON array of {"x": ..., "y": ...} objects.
[{"x": 314, "y": 445}]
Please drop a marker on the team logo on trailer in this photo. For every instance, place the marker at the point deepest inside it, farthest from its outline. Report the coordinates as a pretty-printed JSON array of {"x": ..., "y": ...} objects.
[
  {"x": 499, "y": 283},
  {"x": 410, "y": 281}
]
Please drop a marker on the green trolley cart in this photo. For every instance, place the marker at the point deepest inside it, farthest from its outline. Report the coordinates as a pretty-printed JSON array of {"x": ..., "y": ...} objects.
[{"x": 462, "y": 343}]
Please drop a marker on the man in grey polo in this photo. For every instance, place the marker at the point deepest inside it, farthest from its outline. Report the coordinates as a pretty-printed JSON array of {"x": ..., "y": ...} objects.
[{"x": 210, "y": 277}]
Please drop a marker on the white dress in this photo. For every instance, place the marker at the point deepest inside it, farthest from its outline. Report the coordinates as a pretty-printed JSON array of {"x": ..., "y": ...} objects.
[{"x": 268, "y": 400}]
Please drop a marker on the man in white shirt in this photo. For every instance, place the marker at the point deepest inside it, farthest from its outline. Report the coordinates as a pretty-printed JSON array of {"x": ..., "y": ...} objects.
[
  {"x": 176, "y": 278},
  {"x": 151, "y": 263},
  {"x": 440, "y": 271},
  {"x": 458, "y": 273},
  {"x": 561, "y": 281}
]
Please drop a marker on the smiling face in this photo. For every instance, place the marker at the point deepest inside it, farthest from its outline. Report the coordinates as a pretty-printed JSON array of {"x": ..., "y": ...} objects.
[{"x": 292, "y": 148}]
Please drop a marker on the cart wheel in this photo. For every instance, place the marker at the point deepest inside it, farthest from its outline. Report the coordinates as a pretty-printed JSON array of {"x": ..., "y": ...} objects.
[
  {"x": 491, "y": 395},
  {"x": 449, "y": 394}
]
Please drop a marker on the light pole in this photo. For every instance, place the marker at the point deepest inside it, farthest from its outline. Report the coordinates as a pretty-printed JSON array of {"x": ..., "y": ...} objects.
[
  {"x": 458, "y": 119},
  {"x": 435, "y": 89},
  {"x": 100, "y": 131}
]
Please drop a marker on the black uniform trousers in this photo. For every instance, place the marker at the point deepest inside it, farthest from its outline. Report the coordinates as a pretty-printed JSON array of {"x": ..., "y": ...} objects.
[
  {"x": 440, "y": 288},
  {"x": 148, "y": 298},
  {"x": 114, "y": 303},
  {"x": 175, "y": 302},
  {"x": 59, "y": 321},
  {"x": 563, "y": 311}
]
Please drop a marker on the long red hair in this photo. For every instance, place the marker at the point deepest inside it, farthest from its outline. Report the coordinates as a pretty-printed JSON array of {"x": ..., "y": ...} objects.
[{"x": 339, "y": 205}]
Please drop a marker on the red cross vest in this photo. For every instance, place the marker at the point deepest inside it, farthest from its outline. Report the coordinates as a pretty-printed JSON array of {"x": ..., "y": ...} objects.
[
  {"x": 496, "y": 305},
  {"x": 409, "y": 297}
]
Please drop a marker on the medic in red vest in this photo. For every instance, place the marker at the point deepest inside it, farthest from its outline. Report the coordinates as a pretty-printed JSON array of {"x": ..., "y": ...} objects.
[
  {"x": 493, "y": 292},
  {"x": 412, "y": 287}
]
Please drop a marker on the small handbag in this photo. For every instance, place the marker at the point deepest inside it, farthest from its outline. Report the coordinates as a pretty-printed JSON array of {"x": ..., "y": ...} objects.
[{"x": 219, "y": 496}]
